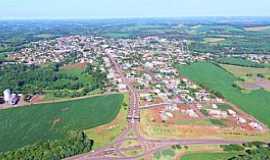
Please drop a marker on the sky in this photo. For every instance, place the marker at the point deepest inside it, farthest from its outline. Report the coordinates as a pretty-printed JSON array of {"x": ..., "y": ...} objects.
[{"x": 100, "y": 9}]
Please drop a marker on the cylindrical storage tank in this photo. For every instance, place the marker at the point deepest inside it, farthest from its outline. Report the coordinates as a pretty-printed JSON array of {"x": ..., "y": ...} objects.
[{"x": 7, "y": 95}]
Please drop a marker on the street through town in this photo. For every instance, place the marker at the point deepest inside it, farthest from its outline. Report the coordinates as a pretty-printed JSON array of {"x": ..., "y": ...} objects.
[{"x": 148, "y": 146}]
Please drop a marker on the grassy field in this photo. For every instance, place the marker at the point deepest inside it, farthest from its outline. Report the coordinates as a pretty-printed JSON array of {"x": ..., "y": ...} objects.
[
  {"x": 31, "y": 124},
  {"x": 165, "y": 154},
  {"x": 193, "y": 152},
  {"x": 105, "y": 134},
  {"x": 206, "y": 152},
  {"x": 207, "y": 156},
  {"x": 77, "y": 72},
  {"x": 200, "y": 122},
  {"x": 239, "y": 62},
  {"x": 218, "y": 80},
  {"x": 240, "y": 71},
  {"x": 251, "y": 77}
]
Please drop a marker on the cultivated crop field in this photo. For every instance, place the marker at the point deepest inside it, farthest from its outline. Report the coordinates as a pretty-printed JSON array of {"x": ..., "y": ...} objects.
[
  {"x": 220, "y": 81},
  {"x": 105, "y": 134},
  {"x": 42, "y": 122}
]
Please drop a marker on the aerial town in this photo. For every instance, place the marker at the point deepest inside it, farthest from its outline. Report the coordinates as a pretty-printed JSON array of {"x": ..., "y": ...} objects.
[
  {"x": 149, "y": 63},
  {"x": 134, "y": 80},
  {"x": 163, "y": 102}
]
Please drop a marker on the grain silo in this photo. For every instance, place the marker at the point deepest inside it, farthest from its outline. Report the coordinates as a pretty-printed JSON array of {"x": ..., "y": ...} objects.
[{"x": 7, "y": 95}]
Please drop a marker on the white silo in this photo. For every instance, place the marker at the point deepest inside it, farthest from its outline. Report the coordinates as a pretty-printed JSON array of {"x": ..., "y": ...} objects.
[{"x": 7, "y": 95}]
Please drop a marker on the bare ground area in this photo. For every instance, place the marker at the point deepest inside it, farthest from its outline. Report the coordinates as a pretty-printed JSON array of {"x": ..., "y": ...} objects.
[
  {"x": 184, "y": 127},
  {"x": 257, "y": 84},
  {"x": 76, "y": 65}
]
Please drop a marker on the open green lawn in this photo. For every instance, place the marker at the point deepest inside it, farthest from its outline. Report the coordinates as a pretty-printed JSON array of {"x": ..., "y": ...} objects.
[
  {"x": 30, "y": 124},
  {"x": 78, "y": 72},
  {"x": 207, "y": 156},
  {"x": 217, "y": 79}
]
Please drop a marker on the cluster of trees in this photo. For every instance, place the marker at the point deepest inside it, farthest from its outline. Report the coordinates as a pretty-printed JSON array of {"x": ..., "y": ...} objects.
[
  {"x": 99, "y": 77},
  {"x": 249, "y": 151},
  {"x": 31, "y": 79},
  {"x": 75, "y": 143}
]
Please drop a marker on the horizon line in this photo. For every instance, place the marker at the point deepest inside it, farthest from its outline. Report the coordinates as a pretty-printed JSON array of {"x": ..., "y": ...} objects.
[{"x": 123, "y": 18}]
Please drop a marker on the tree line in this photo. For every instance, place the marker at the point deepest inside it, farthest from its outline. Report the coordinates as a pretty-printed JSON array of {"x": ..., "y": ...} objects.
[
  {"x": 249, "y": 151},
  {"x": 76, "y": 143}
]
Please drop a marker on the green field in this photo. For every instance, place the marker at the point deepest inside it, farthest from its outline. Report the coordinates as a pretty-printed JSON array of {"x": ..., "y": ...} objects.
[
  {"x": 241, "y": 71},
  {"x": 39, "y": 123},
  {"x": 220, "y": 81},
  {"x": 207, "y": 156},
  {"x": 105, "y": 134},
  {"x": 220, "y": 39},
  {"x": 164, "y": 154},
  {"x": 77, "y": 72},
  {"x": 239, "y": 62}
]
